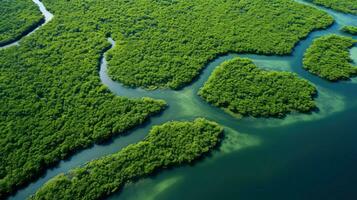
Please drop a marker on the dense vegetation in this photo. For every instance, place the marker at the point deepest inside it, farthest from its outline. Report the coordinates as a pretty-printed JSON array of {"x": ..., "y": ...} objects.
[
  {"x": 239, "y": 87},
  {"x": 52, "y": 102},
  {"x": 347, "y": 6},
  {"x": 350, "y": 29},
  {"x": 170, "y": 144},
  {"x": 167, "y": 43},
  {"x": 17, "y": 17},
  {"x": 329, "y": 58}
]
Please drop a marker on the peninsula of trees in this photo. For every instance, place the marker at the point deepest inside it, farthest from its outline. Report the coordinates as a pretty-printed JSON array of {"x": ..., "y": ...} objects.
[
  {"x": 350, "y": 30},
  {"x": 240, "y": 87},
  {"x": 328, "y": 57},
  {"x": 167, "y": 145}
]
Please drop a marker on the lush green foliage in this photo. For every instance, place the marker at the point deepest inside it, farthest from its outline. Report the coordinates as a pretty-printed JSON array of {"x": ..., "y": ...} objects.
[
  {"x": 52, "y": 102},
  {"x": 173, "y": 143},
  {"x": 347, "y": 6},
  {"x": 51, "y": 99},
  {"x": 167, "y": 43},
  {"x": 329, "y": 58},
  {"x": 350, "y": 29},
  {"x": 240, "y": 87},
  {"x": 17, "y": 17}
]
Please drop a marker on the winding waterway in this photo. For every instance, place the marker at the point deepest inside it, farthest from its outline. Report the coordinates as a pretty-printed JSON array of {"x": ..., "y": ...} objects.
[
  {"x": 48, "y": 17},
  {"x": 304, "y": 156}
]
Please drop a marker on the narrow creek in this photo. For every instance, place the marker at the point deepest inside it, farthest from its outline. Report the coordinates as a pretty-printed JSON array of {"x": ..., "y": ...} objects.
[{"x": 257, "y": 155}]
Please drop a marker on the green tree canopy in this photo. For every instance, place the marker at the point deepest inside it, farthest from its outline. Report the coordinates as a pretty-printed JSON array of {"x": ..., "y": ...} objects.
[
  {"x": 328, "y": 57},
  {"x": 170, "y": 144},
  {"x": 17, "y": 18},
  {"x": 239, "y": 87}
]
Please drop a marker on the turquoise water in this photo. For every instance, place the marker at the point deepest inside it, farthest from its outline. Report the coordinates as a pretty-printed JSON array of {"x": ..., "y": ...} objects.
[{"x": 304, "y": 156}]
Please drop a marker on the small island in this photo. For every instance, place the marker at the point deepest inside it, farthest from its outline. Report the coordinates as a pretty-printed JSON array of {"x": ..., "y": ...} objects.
[
  {"x": 240, "y": 87},
  {"x": 328, "y": 57},
  {"x": 171, "y": 144}
]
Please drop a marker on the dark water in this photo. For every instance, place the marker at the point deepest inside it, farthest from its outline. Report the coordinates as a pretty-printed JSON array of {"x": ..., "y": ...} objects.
[{"x": 300, "y": 157}]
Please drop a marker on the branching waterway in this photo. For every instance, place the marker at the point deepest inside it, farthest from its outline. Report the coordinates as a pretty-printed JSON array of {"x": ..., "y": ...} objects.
[
  {"x": 48, "y": 17},
  {"x": 259, "y": 158}
]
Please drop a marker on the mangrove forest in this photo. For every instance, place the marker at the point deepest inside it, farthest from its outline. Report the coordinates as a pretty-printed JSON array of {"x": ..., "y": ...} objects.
[
  {"x": 171, "y": 144},
  {"x": 240, "y": 87},
  {"x": 329, "y": 57}
]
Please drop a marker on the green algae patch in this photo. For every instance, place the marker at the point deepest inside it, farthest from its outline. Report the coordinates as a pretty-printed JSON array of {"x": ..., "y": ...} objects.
[
  {"x": 329, "y": 57},
  {"x": 244, "y": 89},
  {"x": 167, "y": 145},
  {"x": 235, "y": 141}
]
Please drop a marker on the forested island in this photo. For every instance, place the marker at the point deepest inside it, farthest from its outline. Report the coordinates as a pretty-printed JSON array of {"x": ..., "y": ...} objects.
[
  {"x": 350, "y": 30},
  {"x": 240, "y": 87},
  {"x": 18, "y": 17},
  {"x": 167, "y": 145},
  {"x": 346, "y": 6},
  {"x": 328, "y": 57}
]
